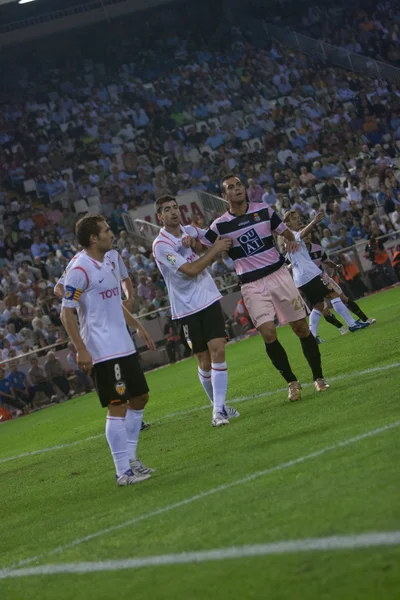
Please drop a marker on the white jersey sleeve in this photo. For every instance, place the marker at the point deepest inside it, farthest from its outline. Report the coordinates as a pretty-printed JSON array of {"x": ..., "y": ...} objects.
[
  {"x": 75, "y": 284},
  {"x": 123, "y": 271},
  {"x": 166, "y": 255}
]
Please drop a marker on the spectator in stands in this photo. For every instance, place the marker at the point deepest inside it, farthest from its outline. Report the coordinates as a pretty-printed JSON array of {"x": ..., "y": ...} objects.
[
  {"x": 7, "y": 396},
  {"x": 19, "y": 385},
  {"x": 56, "y": 374},
  {"x": 40, "y": 381}
]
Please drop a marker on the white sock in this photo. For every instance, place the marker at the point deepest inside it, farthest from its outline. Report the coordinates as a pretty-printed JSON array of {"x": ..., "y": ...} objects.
[
  {"x": 205, "y": 380},
  {"x": 116, "y": 438},
  {"x": 133, "y": 423},
  {"x": 343, "y": 311},
  {"x": 219, "y": 380},
  {"x": 314, "y": 321}
]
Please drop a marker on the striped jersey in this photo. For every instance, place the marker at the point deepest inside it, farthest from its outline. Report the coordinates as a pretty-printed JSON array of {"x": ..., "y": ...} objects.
[
  {"x": 253, "y": 250},
  {"x": 317, "y": 254}
]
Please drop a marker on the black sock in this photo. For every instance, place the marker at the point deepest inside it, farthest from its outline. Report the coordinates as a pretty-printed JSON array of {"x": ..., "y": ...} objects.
[
  {"x": 312, "y": 354},
  {"x": 354, "y": 308},
  {"x": 334, "y": 321},
  {"x": 279, "y": 359}
]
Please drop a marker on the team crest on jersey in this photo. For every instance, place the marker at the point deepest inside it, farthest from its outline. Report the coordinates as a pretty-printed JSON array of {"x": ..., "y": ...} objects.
[
  {"x": 171, "y": 259},
  {"x": 256, "y": 217},
  {"x": 250, "y": 242},
  {"x": 120, "y": 388}
]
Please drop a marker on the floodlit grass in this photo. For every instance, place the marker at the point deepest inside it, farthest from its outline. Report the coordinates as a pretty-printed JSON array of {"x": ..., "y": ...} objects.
[{"x": 50, "y": 499}]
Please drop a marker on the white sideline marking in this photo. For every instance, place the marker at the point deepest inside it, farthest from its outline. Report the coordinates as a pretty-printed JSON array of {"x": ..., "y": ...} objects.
[
  {"x": 198, "y": 408},
  {"x": 202, "y": 495},
  {"x": 337, "y": 542}
]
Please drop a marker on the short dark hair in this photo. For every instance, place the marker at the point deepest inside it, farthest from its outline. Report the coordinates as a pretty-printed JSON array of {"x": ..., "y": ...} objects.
[
  {"x": 87, "y": 226},
  {"x": 288, "y": 215},
  {"x": 225, "y": 178},
  {"x": 163, "y": 200}
]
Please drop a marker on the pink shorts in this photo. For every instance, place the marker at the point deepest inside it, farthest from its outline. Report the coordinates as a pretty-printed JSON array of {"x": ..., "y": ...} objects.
[
  {"x": 275, "y": 294},
  {"x": 336, "y": 287}
]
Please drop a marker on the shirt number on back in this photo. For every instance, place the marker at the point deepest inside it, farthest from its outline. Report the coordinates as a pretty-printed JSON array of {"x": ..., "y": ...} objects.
[{"x": 117, "y": 372}]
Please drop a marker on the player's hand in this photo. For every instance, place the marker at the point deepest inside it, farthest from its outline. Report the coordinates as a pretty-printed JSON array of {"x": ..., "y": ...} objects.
[
  {"x": 84, "y": 361},
  {"x": 319, "y": 217},
  {"x": 146, "y": 337},
  {"x": 222, "y": 245},
  {"x": 292, "y": 247},
  {"x": 188, "y": 241},
  {"x": 128, "y": 303}
]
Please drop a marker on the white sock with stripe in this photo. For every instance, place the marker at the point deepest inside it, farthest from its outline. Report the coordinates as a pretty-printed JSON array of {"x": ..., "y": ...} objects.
[
  {"x": 133, "y": 424},
  {"x": 219, "y": 380},
  {"x": 343, "y": 311},
  {"x": 116, "y": 438},
  {"x": 314, "y": 321},
  {"x": 205, "y": 380}
]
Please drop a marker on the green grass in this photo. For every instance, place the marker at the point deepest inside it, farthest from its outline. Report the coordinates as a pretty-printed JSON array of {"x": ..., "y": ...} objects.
[{"x": 50, "y": 499}]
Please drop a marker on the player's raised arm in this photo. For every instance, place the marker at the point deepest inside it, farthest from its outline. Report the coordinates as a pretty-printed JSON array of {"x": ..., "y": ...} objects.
[
  {"x": 193, "y": 269},
  {"x": 317, "y": 219}
]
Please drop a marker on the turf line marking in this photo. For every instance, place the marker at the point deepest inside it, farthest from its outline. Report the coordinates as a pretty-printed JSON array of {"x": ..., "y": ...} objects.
[
  {"x": 198, "y": 408},
  {"x": 324, "y": 544},
  {"x": 204, "y": 494}
]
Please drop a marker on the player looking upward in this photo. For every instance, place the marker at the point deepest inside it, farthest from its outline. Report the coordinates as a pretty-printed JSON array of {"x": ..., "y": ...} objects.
[
  {"x": 267, "y": 286},
  {"x": 308, "y": 277},
  {"x": 104, "y": 345},
  {"x": 319, "y": 257},
  {"x": 194, "y": 299}
]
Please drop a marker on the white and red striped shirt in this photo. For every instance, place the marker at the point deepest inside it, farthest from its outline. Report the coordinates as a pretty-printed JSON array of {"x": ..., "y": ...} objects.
[{"x": 253, "y": 250}]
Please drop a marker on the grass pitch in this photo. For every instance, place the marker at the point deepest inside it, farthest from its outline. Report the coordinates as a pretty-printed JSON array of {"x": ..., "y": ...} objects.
[{"x": 218, "y": 488}]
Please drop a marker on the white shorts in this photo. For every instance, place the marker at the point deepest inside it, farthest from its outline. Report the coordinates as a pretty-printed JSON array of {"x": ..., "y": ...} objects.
[{"x": 275, "y": 294}]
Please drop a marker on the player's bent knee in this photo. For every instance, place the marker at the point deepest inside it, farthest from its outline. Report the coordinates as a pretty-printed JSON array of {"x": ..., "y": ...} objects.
[
  {"x": 300, "y": 328},
  {"x": 139, "y": 402},
  {"x": 117, "y": 408},
  {"x": 268, "y": 332}
]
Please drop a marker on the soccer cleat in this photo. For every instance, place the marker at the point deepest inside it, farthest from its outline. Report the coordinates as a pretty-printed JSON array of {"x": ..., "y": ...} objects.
[
  {"x": 319, "y": 340},
  {"x": 343, "y": 330},
  {"x": 129, "y": 478},
  {"x": 219, "y": 419},
  {"x": 371, "y": 321},
  {"x": 358, "y": 326},
  {"x": 138, "y": 467},
  {"x": 144, "y": 426},
  {"x": 294, "y": 391},
  {"x": 230, "y": 413},
  {"x": 321, "y": 385}
]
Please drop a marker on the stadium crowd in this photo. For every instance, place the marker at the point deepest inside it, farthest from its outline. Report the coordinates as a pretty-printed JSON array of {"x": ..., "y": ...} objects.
[
  {"x": 370, "y": 28},
  {"x": 117, "y": 132}
]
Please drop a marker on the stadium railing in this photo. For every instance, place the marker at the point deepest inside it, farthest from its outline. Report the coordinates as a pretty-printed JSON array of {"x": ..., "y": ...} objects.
[{"x": 333, "y": 54}]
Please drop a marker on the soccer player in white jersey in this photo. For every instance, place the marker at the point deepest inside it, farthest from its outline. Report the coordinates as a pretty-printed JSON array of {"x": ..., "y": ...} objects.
[
  {"x": 308, "y": 277},
  {"x": 194, "y": 299},
  {"x": 319, "y": 257},
  {"x": 126, "y": 283},
  {"x": 104, "y": 345},
  {"x": 267, "y": 286}
]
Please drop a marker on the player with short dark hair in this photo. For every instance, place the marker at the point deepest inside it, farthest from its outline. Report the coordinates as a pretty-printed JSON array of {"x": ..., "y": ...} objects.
[
  {"x": 267, "y": 287},
  {"x": 194, "y": 299},
  {"x": 104, "y": 345}
]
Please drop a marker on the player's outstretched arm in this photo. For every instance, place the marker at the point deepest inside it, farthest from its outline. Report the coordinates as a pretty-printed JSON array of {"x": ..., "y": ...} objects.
[
  {"x": 193, "y": 269},
  {"x": 317, "y": 219},
  {"x": 140, "y": 330},
  {"x": 83, "y": 358}
]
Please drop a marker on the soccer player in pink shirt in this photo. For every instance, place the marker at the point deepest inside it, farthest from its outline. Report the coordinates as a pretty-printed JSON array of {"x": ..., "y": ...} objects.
[{"x": 267, "y": 286}]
